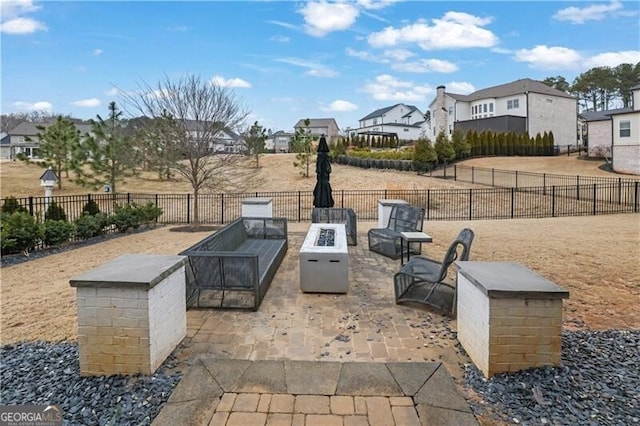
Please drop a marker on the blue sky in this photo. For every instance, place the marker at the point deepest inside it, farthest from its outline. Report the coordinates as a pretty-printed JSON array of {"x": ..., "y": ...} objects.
[{"x": 289, "y": 60}]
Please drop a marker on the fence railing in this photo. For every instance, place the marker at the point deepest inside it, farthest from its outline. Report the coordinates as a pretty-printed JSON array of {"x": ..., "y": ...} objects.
[{"x": 602, "y": 196}]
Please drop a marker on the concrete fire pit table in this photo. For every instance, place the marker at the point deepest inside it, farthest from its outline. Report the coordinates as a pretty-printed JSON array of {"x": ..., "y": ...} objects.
[{"x": 324, "y": 259}]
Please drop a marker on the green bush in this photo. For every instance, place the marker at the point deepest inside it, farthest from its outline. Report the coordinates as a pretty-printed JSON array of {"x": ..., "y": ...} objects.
[
  {"x": 87, "y": 226},
  {"x": 91, "y": 207},
  {"x": 56, "y": 232},
  {"x": 55, "y": 212},
  {"x": 148, "y": 213},
  {"x": 11, "y": 205},
  {"x": 125, "y": 217},
  {"x": 19, "y": 232}
]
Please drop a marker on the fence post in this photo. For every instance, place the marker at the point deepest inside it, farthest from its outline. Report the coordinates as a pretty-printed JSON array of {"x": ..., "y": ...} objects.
[
  {"x": 513, "y": 202},
  {"x": 619, "y": 190},
  {"x": 594, "y": 198},
  {"x": 493, "y": 178},
  {"x": 299, "y": 206},
  {"x": 429, "y": 201},
  {"x": 635, "y": 198},
  {"x": 157, "y": 206},
  {"x": 342, "y": 198},
  {"x": 553, "y": 201},
  {"x": 128, "y": 198},
  {"x": 470, "y": 203},
  {"x": 578, "y": 187},
  {"x": 188, "y": 208},
  {"x": 516, "y": 179},
  {"x": 544, "y": 184},
  {"x": 222, "y": 208},
  {"x": 455, "y": 172},
  {"x": 31, "y": 205}
]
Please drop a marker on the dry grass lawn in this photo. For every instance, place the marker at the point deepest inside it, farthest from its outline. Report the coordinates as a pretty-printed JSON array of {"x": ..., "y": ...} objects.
[{"x": 595, "y": 258}]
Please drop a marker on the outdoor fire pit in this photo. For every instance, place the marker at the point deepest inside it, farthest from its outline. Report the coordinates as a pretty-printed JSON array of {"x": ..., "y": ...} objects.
[{"x": 324, "y": 259}]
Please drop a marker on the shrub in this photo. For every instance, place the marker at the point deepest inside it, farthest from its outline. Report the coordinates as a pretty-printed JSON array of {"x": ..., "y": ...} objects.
[
  {"x": 126, "y": 216},
  {"x": 19, "y": 232},
  {"x": 11, "y": 205},
  {"x": 91, "y": 207},
  {"x": 148, "y": 213},
  {"x": 56, "y": 232},
  {"x": 55, "y": 212},
  {"x": 87, "y": 226}
]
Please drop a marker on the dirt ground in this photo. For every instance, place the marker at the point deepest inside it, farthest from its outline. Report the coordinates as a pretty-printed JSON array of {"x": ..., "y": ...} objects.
[{"x": 596, "y": 258}]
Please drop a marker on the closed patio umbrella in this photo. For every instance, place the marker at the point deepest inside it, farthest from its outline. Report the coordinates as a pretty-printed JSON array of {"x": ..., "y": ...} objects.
[{"x": 322, "y": 192}]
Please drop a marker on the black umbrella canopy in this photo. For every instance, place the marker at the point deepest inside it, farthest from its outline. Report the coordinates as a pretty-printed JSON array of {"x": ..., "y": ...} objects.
[{"x": 322, "y": 192}]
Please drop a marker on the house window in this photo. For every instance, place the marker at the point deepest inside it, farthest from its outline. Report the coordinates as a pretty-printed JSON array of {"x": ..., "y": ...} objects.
[
  {"x": 625, "y": 129},
  {"x": 450, "y": 110},
  {"x": 513, "y": 104},
  {"x": 375, "y": 121},
  {"x": 406, "y": 130},
  {"x": 491, "y": 107},
  {"x": 484, "y": 108}
]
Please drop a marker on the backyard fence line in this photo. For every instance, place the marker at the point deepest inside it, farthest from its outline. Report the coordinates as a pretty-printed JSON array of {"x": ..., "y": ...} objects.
[{"x": 515, "y": 202}]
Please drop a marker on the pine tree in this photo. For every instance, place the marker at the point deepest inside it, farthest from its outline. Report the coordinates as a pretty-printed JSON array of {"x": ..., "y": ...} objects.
[
  {"x": 444, "y": 149},
  {"x": 301, "y": 144},
  {"x": 57, "y": 142},
  {"x": 255, "y": 141},
  {"x": 106, "y": 156}
]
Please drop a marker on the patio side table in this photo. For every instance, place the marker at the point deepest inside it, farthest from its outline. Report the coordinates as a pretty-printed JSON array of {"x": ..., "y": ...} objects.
[{"x": 412, "y": 237}]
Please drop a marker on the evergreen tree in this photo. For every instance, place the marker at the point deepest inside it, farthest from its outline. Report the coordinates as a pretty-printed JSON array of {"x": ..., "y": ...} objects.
[
  {"x": 301, "y": 144},
  {"x": 444, "y": 149},
  {"x": 255, "y": 141},
  {"x": 423, "y": 155},
  {"x": 57, "y": 142},
  {"x": 106, "y": 155},
  {"x": 460, "y": 144},
  {"x": 552, "y": 143}
]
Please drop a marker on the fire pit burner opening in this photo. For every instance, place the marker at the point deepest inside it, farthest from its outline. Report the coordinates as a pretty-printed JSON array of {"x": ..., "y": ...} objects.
[{"x": 326, "y": 237}]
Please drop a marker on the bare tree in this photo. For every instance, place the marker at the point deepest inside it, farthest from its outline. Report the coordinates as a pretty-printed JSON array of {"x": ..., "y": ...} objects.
[{"x": 197, "y": 111}]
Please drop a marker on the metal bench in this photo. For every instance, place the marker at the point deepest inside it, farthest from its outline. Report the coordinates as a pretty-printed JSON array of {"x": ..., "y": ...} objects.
[{"x": 234, "y": 267}]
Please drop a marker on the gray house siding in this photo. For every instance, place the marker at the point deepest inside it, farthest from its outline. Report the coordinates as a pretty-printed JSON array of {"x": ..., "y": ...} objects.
[{"x": 505, "y": 123}]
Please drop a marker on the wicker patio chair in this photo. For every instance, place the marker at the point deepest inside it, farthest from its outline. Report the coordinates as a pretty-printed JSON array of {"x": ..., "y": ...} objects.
[
  {"x": 422, "y": 280},
  {"x": 387, "y": 241},
  {"x": 338, "y": 215}
]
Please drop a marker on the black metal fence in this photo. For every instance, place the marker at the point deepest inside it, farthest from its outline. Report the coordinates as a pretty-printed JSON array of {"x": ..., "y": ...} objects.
[{"x": 585, "y": 196}]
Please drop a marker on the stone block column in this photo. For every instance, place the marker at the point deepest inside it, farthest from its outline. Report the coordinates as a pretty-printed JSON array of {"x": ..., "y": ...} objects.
[
  {"x": 509, "y": 318},
  {"x": 257, "y": 207},
  {"x": 131, "y": 313}
]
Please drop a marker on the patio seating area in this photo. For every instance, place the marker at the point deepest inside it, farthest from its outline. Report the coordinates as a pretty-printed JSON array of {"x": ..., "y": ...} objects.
[{"x": 327, "y": 335}]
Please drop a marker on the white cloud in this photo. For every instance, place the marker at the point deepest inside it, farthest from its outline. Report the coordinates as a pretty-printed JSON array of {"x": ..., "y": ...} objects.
[
  {"x": 340, "y": 106},
  {"x": 455, "y": 30},
  {"x": 313, "y": 69},
  {"x": 87, "y": 103},
  {"x": 13, "y": 20},
  {"x": 280, "y": 39},
  {"x": 376, "y": 4},
  {"x": 388, "y": 88},
  {"x": 426, "y": 65},
  {"x": 284, "y": 25},
  {"x": 112, "y": 92},
  {"x": 613, "y": 59},
  {"x": 232, "y": 82},
  {"x": 96, "y": 52},
  {"x": 549, "y": 58},
  {"x": 593, "y": 12},
  {"x": 387, "y": 56},
  {"x": 460, "y": 87},
  {"x": 21, "y": 26},
  {"x": 322, "y": 72},
  {"x": 321, "y": 17},
  {"x": 37, "y": 106}
]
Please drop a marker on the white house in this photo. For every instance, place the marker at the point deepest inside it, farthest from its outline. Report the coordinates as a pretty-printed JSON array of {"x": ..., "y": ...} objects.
[
  {"x": 406, "y": 122},
  {"x": 599, "y": 132},
  {"x": 625, "y": 144},
  {"x": 282, "y": 141},
  {"x": 524, "y": 105}
]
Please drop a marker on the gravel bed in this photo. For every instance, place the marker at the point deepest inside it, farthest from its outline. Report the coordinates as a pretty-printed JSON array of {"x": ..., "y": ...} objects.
[
  {"x": 45, "y": 373},
  {"x": 597, "y": 383}
]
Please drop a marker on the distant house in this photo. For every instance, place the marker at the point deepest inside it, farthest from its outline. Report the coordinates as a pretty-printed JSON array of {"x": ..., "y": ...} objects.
[
  {"x": 282, "y": 141},
  {"x": 320, "y": 126},
  {"x": 625, "y": 143},
  {"x": 599, "y": 131},
  {"x": 23, "y": 139},
  {"x": 524, "y": 105},
  {"x": 406, "y": 122},
  {"x": 224, "y": 140}
]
